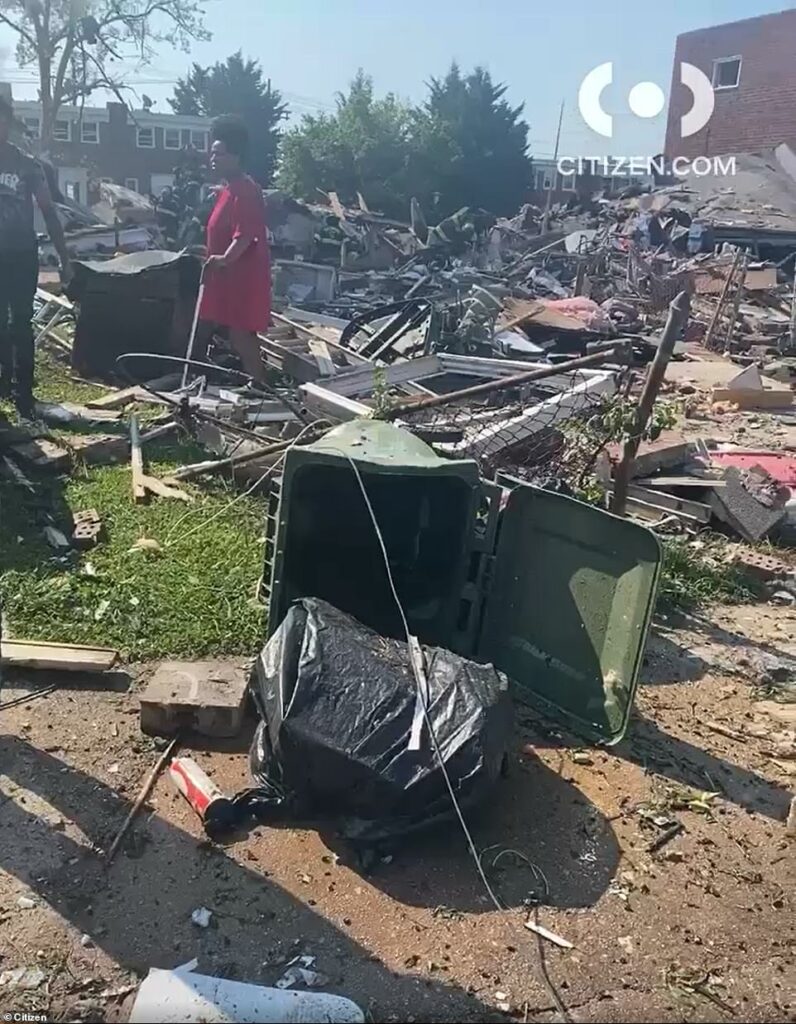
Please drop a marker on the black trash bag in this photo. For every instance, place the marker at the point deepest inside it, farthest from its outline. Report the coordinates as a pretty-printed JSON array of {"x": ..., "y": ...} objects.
[{"x": 337, "y": 702}]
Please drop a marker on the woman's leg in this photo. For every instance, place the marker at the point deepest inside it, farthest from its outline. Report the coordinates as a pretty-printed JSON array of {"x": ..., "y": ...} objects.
[{"x": 247, "y": 348}]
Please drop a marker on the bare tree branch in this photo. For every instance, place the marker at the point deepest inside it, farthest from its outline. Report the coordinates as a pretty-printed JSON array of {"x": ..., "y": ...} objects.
[
  {"x": 5, "y": 20},
  {"x": 51, "y": 36}
]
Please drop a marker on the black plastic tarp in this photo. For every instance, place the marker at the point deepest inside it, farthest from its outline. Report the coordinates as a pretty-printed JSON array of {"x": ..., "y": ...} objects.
[{"x": 337, "y": 702}]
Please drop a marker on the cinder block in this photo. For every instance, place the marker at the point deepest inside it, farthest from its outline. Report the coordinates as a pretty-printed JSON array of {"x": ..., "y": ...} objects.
[{"x": 208, "y": 697}]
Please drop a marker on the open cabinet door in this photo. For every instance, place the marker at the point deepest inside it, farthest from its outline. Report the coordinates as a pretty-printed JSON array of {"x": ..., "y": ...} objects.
[{"x": 569, "y": 607}]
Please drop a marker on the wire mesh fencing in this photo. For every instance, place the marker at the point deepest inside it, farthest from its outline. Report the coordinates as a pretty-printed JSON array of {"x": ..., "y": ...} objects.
[{"x": 550, "y": 432}]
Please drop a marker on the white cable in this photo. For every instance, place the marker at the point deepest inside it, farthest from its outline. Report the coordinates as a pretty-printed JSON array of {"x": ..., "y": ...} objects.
[
  {"x": 470, "y": 843},
  {"x": 429, "y": 724},
  {"x": 271, "y": 469}
]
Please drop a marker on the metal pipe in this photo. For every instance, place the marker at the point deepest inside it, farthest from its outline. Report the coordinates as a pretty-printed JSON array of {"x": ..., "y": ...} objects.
[
  {"x": 479, "y": 390},
  {"x": 678, "y": 314}
]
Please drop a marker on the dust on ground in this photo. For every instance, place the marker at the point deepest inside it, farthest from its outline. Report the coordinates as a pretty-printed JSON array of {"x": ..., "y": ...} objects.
[{"x": 700, "y": 930}]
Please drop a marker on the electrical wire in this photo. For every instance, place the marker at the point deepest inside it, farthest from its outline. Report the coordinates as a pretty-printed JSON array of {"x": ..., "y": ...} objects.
[
  {"x": 429, "y": 725},
  {"x": 267, "y": 390},
  {"x": 249, "y": 490},
  {"x": 26, "y": 698}
]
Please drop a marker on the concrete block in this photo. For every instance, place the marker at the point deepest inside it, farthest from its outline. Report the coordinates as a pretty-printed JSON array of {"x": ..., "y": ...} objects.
[
  {"x": 100, "y": 449},
  {"x": 208, "y": 697},
  {"x": 748, "y": 516}
]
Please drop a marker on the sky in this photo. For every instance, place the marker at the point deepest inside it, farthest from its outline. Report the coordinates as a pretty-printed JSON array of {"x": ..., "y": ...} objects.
[{"x": 541, "y": 50}]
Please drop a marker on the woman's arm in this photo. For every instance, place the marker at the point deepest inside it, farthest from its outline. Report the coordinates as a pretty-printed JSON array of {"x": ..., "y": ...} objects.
[
  {"x": 237, "y": 248},
  {"x": 246, "y": 228}
]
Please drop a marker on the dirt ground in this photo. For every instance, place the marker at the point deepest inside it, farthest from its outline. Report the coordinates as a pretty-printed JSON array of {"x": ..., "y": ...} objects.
[{"x": 700, "y": 930}]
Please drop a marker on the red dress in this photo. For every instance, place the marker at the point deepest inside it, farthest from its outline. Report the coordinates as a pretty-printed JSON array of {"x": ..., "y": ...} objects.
[{"x": 239, "y": 296}]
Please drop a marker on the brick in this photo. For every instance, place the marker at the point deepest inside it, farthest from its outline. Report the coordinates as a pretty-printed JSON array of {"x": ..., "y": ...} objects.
[
  {"x": 100, "y": 449},
  {"x": 207, "y": 697},
  {"x": 760, "y": 112}
]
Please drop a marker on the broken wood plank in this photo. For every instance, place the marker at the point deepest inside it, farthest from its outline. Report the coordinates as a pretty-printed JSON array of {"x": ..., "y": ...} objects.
[
  {"x": 141, "y": 481},
  {"x": 41, "y": 654},
  {"x": 98, "y": 449},
  {"x": 752, "y": 398},
  {"x": 164, "y": 490},
  {"x": 136, "y": 461},
  {"x": 655, "y": 511},
  {"x": 134, "y": 393},
  {"x": 43, "y": 454},
  {"x": 320, "y": 350},
  {"x": 696, "y": 509},
  {"x": 702, "y": 483},
  {"x": 326, "y": 403},
  {"x": 545, "y": 933}
]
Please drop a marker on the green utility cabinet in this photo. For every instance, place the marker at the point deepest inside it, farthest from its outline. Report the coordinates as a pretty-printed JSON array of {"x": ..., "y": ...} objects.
[{"x": 555, "y": 593}]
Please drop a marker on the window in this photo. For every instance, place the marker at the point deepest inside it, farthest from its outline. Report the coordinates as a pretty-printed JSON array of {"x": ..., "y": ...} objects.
[
  {"x": 131, "y": 183},
  {"x": 89, "y": 132},
  {"x": 199, "y": 141},
  {"x": 62, "y": 131},
  {"x": 544, "y": 181},
  {"x": 726, "y": 73},
  {"x": 33, "y": 125},
  {"x": 171, "y": 138},
  {"x": 567, "y": 182},
  {"x": 145, "y": 138}
]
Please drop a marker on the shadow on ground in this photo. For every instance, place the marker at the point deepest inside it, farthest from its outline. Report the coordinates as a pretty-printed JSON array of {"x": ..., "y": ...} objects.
[
  {"x": 666, "y": 661},
  {"x": 541, "y": 840},
  {"x": 139, "y": 909},
  {"x": 649, "y": 746}
]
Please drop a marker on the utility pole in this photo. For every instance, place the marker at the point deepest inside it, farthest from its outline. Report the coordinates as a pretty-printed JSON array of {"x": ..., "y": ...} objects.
[{"x": 546, "y": 217}]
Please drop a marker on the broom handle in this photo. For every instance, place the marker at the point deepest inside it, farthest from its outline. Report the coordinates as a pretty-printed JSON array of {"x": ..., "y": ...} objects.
[{"x": 192, "y": 339}]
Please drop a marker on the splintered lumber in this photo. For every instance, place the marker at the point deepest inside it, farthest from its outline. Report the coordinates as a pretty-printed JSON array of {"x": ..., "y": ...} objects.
[
  {"x": 64, "y": 657},
  {"x": 135, "y": 393},
  {"x": 146, "y": 789},
  {"x": 136, "y": 461},
  {"x": 753, "y": 398},
  {"x": 678, "y": 315},
  {"x": 141, "y": 481}
]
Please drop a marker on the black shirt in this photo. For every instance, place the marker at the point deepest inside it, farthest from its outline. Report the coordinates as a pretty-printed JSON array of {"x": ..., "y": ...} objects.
[{"x": 20, "y": 178}]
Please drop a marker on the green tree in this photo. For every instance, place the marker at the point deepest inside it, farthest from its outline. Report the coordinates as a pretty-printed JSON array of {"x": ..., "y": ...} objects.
[
  {"x": 471, "y": 145},
  {"x": 76, "y": 45},
  {"x": 466, "y": 146},
  {"x": 237, "y": 86},
  {"x": 364, "y": 146}
]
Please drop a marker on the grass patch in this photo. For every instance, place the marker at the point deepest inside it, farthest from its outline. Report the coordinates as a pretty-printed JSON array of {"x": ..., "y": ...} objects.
[
  {"x": 192, "y": 598},
  {"x": 55, "y": 382},
  {"x": 695, "y": 574}
]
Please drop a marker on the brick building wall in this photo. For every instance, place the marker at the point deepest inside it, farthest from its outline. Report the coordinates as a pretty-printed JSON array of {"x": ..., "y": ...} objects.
[
  {"x": 759, "y": 110},
  {"x": 137, "y": 149}
]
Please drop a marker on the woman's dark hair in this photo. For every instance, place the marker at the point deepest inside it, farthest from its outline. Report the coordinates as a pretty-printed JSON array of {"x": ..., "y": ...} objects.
[
  {"x": 233, "y": 133},
  {"x": 6, "y": 110}
]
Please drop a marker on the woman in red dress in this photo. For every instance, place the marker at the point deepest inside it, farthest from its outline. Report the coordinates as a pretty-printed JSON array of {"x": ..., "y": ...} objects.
[{"x": 237, "y": 274}]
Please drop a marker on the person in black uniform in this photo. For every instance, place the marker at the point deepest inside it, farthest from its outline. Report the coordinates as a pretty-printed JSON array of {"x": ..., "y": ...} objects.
[{"x": 21, "y": 181}]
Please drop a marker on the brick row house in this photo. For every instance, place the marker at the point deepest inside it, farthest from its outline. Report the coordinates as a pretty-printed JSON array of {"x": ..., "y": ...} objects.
[
  {"x": 574, "y": 185},
  {"x": 751, "y": 66},
  {"x": 138, "y": 149}
]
